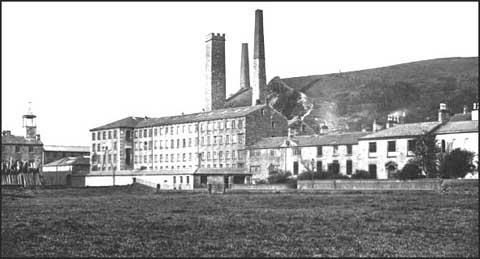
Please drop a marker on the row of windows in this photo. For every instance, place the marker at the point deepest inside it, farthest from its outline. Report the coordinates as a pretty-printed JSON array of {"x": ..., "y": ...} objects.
[
  {"x": 105, "y": 159},
  {"x": 239, "y": 165},
  {"x": 335, "y": 150},
  {"x": 391, "y": 146},
  {"x": 184, "y": 157},
  {"x": 99, "y": 147},
  {"x": 109, "y": 134},
  {"x": 331, "y": 167},
  {"x": 183, "y": 143},
  {"x": 218, "y": 125},
  {"x": 18, "y": 148}
]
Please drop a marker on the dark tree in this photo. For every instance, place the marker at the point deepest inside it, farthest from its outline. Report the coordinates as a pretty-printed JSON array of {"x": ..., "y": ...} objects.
[{"x": 456, "y": 164}]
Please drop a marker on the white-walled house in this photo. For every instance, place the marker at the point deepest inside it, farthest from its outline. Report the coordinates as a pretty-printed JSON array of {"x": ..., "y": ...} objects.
[
  {"x": 339, "y": 152},
  {"x": 386, "y": 151},
  {"x": 459, "y": 134}
]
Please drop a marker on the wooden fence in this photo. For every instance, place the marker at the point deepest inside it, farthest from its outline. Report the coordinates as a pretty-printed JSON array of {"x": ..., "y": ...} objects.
[{"x": 20, "y": 173}]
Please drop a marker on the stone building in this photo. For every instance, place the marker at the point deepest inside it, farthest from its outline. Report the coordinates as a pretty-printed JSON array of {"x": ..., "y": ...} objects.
[
  {"x": 23, "y": 149},
  {"x": 214, "y": 139},
  {"x": 55, "y": 152},
  {"x": 335, "y": 152}
]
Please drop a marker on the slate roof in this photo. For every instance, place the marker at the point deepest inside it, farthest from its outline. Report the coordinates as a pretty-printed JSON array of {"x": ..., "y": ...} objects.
[
  {"x": 202, "y": 116},
  {"x": 404, "y": 130},
  {"x": 77, "y": 160},
  {"x": 458, "y": 127},
  {"x": 311, "y": 140},
  {"x": 66, "y": 148},
  {"x": 242, "y": 97},
  {"x": 19, "y": 140},
  {"x": 128, "y": 122},
  {"x": 461, "y": 117}
]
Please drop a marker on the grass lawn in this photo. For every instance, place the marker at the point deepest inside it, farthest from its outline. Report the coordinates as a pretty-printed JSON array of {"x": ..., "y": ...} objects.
[{"x": 134, "y": 221}]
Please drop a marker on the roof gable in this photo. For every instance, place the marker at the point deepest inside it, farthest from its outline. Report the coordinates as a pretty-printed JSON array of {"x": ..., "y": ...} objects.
[
  {"x": 458, "y": 127},
  {"x": 128, "y": 122},
  {"x": 405, "y": 130},
  {"x": 19, "y": 140},
  {"x": 203, "y": 116}
]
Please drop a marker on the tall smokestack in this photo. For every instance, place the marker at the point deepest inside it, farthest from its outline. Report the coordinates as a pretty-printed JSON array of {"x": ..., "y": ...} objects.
[
  {"x": 244, "y": 68},
  {"x": 215, "y": 89},
  {"x": 259, "y": 81}
]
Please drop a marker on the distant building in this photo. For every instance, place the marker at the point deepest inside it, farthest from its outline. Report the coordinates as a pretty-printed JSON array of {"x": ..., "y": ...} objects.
[
  {"x": 23, "y": 149},
  {"x": 55, "y": 152},
  {"x": 214, "y": 139}
]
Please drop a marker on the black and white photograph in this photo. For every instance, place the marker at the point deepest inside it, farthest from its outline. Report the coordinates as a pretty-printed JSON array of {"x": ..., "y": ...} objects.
[{"x": 239, "y": 129}]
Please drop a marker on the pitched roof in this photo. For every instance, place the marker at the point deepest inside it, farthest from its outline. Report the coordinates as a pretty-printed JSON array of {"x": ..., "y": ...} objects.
[
  {"x": 404, "y": 130},
  {"x": 12, "y": 139},
  {"x": 311, "y": 140},
  {"x": 461, "y": 117},
  {"x": 77, "y": 160},
  {"x": 458, "y": 127},
  {"x": 242, "y": 97},
  {"x": 202, "y": 116},
  {"x": 66, "y": 148},
  {"x": 128, "y": 122}
]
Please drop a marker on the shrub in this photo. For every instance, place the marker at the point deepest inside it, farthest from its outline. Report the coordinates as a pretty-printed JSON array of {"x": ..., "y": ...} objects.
[
  {"x": 278, "y": 176},
  {"x": 410, "y": 171},
  {"x": 262, "y": 181},
  {"x": 362, "y": 174},
  {"x": 456, "y": 164},
  {"x": 320, "y": 175}
]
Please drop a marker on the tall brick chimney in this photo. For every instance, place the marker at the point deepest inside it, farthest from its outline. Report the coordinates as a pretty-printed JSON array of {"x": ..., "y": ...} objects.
[
  {"x": 215, "y": 89},
  {"x": 259, "y": 81},
  {"x": 244, "y": 68}
]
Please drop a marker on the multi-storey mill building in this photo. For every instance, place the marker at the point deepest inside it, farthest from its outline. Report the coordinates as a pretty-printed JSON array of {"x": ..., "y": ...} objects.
[{"x": 211, "y": 141}]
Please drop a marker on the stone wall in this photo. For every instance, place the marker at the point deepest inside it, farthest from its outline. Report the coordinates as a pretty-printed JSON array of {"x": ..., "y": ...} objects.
[
  {"x": 375, "y": 185},
  {"x": 259, "y": 125},
  {"x": 8, "y": 153}
]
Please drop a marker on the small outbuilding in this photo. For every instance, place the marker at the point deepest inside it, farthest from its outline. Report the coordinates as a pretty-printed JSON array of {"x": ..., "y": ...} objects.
[{"x": 60, "y": 172}]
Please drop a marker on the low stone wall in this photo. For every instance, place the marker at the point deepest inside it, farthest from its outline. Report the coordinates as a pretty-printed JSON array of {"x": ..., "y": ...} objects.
[
  {"x": 374, "y": 185},
  {"x": 259, "y": 187}
]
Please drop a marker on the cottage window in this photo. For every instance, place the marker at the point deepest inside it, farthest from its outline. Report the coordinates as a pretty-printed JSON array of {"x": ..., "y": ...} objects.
[
  {"x": 391, "y": 146},
  {"x": 335, "y": 150},
  {"x": 372, "y": 147},
  {"x": 240, "y": 124},
  {"x": 155, "y": 132},
  {"x": 319, "y": 151},
  {"x": 93, "y": 135},
  {"x": 349, "y": 149}
]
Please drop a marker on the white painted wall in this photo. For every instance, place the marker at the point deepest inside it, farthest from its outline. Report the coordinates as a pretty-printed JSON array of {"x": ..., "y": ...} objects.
[
  {"x": 468, "y": 141},
  {"x": 381, "y": 157}
]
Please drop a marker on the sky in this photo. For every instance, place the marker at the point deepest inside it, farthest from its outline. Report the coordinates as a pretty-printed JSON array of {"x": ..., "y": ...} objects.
[{"x": 86, "y": 64}]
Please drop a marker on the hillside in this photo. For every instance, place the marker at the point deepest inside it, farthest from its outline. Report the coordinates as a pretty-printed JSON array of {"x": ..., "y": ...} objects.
[{"x": 352, "y": 100}]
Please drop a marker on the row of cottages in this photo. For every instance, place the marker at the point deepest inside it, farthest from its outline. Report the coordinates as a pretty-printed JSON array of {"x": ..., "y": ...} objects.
[
  {"x": 180, "y": 152},
  {"x": 382, "y": 153},
  {"x": 385, "y": 152},
  {"x": 296, "y": 154}
]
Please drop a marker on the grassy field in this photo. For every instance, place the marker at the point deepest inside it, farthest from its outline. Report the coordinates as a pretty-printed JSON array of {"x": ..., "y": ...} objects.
[{"x": 134, "y": 221}]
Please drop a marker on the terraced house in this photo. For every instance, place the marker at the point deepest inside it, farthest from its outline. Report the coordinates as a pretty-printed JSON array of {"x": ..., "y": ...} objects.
[{"x": 337, "y": 152}]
